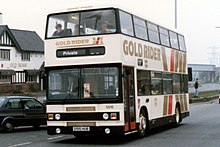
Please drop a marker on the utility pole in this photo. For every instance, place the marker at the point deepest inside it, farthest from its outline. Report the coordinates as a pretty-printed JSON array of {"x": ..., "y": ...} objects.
[
  {"x": 215, "y": 56},
  {"x": 175, "y": 14}
]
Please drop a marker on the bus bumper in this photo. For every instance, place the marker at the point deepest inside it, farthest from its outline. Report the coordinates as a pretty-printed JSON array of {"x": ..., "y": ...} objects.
[{"x": 103, "y": 130}]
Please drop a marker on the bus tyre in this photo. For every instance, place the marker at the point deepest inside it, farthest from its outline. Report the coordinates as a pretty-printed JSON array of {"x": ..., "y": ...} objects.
[
  {"x": 143, "y": 124},
  {"x": 177, "y": 116},
  {"x": 8, "y": 126}
]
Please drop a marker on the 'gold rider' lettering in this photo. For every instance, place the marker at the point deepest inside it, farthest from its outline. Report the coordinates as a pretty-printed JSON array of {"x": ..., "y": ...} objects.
[
  {"x": 139, "y": 50},
  {"x": 72, "y": 42}
]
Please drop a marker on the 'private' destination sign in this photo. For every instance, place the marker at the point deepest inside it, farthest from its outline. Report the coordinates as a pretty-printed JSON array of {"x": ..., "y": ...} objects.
[{"x": 80, "y": 52}]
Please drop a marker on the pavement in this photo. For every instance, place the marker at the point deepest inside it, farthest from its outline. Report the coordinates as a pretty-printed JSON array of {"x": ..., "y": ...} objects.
[{"x": 203, "y": 99}]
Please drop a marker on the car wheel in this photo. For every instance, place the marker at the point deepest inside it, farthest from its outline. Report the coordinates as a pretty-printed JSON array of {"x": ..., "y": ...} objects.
[
  {"x": 143, "y": 125},
  {"x": 8, "y": 126}
]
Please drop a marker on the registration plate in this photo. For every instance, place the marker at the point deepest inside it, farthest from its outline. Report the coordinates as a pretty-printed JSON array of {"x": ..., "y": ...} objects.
[{"x": 81, "y": 128}]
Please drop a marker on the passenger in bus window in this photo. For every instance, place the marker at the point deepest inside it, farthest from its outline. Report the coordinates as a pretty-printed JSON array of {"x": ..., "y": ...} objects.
[
  {"x": 76, "y": 30},
  {"x": 105, "y": 27},
  {"x": 59, "y": 32}
]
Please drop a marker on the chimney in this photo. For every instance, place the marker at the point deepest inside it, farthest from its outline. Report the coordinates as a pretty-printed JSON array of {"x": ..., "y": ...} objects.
[{"x": 0, "y": 18}]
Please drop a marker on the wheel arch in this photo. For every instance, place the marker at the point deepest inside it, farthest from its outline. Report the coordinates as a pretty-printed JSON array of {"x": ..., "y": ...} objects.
[
  {"x": 7, "y": 119},
  {"x": 144, "y": 108}
]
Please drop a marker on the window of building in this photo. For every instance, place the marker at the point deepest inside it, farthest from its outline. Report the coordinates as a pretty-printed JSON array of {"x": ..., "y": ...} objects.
[
  {"x": 140, "y": 28},
  {"x": 19, "y": 77},
  {"x": 25, "y": 56},
  {"x": 31, "y": 78},
  {"x": 143, "y": 82},
  {"x": 5, "y": 79},
  {"x": 4, "y": 55}
]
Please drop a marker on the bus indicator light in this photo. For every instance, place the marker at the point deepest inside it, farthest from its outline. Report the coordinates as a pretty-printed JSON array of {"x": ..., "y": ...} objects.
[
  {"x": 50, "y": 116},
  {"x": 113, "y": 116}
]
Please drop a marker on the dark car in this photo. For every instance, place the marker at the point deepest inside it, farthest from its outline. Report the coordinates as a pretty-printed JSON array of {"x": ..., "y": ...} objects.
[{"x": 21, "y": 111}]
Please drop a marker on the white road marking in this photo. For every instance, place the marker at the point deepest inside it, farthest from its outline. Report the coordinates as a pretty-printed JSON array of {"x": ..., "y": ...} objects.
[
  {"x": 21, "y": 144},
  {"x": 51, "y": 138}
]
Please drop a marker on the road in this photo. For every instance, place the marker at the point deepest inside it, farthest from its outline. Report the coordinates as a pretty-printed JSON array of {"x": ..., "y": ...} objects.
[{"x": 201, "y": 129}]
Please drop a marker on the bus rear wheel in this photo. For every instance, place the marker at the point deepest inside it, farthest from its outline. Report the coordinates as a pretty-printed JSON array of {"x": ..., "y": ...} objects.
[
  {"x": 177, "y": 116},
  {"x": 143, "y": 124}
]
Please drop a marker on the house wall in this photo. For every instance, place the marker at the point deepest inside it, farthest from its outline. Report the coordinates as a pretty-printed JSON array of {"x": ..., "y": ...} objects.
[{"x": 15, "y": 63}]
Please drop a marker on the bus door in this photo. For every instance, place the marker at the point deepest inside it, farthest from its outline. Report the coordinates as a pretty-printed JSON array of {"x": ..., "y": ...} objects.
[{"x": 129, "y": 101}]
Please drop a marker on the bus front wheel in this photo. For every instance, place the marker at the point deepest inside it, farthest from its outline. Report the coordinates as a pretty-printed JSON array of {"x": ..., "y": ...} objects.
[{"x": 143, "y": 124}]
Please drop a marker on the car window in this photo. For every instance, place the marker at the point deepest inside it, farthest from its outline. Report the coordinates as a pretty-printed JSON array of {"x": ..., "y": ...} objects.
[
  {"x": 2, "y": 100},
  {"x": 14, "y": 104},
  {"x": 33, "y": 104}
]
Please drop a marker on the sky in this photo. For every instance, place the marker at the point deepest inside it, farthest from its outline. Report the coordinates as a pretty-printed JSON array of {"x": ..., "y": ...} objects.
[{"x": 197, "y": 20}]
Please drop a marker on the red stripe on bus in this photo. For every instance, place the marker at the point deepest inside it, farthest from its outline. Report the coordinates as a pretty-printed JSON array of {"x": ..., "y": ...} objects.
[
  {"x": 97, "y": 41},
  {"x": 170, "y": 104},
  {"x": 126, "y": 127},
  {"x": 172, "y": 61},
  {"x": 133, "y": 125}
]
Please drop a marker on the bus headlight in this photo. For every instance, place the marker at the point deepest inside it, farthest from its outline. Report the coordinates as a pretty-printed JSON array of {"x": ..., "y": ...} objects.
[
  {"x": 57, "y": 116},
  {"x": 58, "y": 131},
  {"x": 105, "y": 116},
  {"x": 107, "y": 131}
]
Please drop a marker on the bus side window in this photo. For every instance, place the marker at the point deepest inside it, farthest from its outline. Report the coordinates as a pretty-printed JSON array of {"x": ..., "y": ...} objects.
[{"x": 126, "y": 23}]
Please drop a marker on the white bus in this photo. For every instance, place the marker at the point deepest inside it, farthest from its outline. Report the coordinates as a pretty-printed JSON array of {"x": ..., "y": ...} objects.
[{"x": 111, "y": 72}]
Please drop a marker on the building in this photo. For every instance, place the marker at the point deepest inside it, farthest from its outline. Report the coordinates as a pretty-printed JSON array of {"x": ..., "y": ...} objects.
[
  {"x": 21, "y": 60},
  {"x": 205, "y": 73}
]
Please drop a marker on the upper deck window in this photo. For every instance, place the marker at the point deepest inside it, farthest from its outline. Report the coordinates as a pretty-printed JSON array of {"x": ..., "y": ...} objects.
[
  {"x": 140, "y": 28},
  {"x": 81, "y": 23},
  {"x": 174, "y": 40},
  {"x": 153, "y": 32},
  {"x": 126, "y": 23},
  {"x": 164, "y": 37},
  {"x": 182, "y": 42}
]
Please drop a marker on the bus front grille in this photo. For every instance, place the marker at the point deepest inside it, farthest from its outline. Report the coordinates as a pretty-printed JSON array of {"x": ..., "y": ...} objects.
[
  {"x": 80, "y": 109},
  {"x": 81, "y": 123}
]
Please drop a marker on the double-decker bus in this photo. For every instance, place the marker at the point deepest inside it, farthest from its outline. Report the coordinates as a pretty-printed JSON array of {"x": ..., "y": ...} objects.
[{"x": 111, "y": 72}]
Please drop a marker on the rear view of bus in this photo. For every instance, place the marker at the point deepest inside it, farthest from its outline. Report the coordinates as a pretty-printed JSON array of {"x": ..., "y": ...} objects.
[{"x": 110, "y": 72}]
